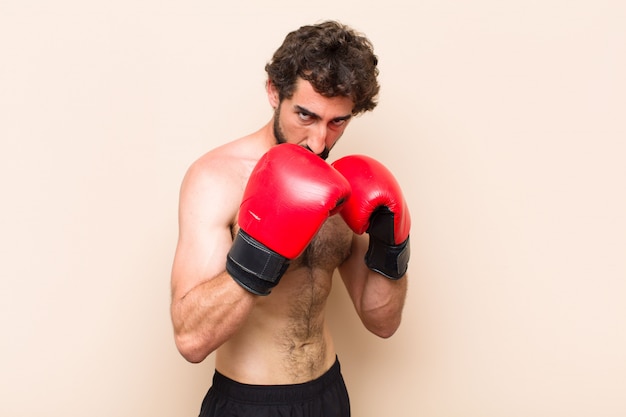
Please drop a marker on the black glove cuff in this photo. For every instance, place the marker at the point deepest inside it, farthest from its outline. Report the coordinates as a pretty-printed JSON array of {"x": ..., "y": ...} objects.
[
  {"x": 391, "y": 261},
  {"x": 253, "y": 265}
]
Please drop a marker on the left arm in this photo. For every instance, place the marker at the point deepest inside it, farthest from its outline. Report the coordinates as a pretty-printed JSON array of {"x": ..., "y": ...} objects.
[{"x": 375, "y": 272}]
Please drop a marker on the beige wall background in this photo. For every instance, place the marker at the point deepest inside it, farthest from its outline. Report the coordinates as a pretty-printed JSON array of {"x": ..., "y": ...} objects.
[{"x": 504, "y": 121}]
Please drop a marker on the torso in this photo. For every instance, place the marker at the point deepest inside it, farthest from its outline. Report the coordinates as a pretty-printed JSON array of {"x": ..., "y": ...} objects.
[{"x": 285, "y": 339}]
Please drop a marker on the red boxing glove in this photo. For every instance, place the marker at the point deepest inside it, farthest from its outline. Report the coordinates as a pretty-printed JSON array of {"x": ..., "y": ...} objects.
[
  {"x": 290, "y": 194},
  {"x": 377, "y": 206}
]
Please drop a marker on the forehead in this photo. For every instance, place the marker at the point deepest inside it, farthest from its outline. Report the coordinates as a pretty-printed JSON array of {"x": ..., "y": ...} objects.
[{"x": 305, "y": 96}]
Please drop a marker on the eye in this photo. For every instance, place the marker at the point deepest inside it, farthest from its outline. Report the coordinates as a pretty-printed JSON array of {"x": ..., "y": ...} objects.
[
  {"x": 339, "y": 122},
  {"x": 305, "y": 117}
]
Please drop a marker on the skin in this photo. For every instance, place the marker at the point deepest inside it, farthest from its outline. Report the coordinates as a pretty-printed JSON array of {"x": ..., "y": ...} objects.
[{"x": 282, "y": 338}]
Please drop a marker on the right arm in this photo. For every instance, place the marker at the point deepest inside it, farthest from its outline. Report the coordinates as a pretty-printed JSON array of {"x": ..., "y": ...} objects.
[
  {"x": 288, "y": 196},
  {"x": 207, "y": 305}
]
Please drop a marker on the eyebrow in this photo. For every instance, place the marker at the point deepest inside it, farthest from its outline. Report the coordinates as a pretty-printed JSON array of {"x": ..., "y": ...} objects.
[{"x": 301, "y": 109}]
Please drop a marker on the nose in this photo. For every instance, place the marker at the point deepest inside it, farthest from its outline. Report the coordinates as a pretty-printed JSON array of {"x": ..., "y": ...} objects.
[{"x": 316, "y": 140}]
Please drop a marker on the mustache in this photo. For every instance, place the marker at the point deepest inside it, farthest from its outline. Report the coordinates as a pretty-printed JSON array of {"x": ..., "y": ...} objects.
[{"x": 324, "y": 154}]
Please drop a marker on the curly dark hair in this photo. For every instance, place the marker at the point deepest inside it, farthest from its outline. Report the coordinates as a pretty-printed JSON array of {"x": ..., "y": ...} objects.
[{"x": 334, "y": 58}]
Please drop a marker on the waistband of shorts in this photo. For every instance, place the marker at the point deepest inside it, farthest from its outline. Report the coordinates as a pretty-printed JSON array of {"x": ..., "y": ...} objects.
[{"x": 264, "y": 394}]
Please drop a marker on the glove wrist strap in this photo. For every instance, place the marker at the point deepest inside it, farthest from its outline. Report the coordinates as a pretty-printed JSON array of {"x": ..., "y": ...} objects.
[
  {"x": 253, "y": 265},
  {"x": 391, "y": 261}
]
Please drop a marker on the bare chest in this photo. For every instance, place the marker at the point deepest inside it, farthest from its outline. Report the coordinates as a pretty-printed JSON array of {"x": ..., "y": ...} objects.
[
  {"x": 328, "y": 248},
  {"x": 292, "y": 316},
  {"x": 301, "y": 294}
]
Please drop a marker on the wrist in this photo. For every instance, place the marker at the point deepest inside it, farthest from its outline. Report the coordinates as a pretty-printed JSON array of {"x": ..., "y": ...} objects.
[
  {"x": 253, "y": 265},
  {"x": 390, "y": 260}
]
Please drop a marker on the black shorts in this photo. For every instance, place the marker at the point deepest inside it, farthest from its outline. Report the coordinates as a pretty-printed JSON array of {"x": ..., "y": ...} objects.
[{"x": 325, "y": 396}]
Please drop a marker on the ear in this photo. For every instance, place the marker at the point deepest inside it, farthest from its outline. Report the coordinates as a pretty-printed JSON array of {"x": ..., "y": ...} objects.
[{"x": 272, "y": 94}]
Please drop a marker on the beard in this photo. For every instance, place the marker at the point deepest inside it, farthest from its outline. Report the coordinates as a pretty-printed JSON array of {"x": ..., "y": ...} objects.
[{"x": 280, "y": 136}]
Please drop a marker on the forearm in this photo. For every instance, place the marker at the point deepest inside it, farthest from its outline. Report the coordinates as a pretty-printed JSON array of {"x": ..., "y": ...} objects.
[
  {"x": 381, "y": 303},
  {"x": 377, "y": 299},
  {"x": 207, "y": 315}
]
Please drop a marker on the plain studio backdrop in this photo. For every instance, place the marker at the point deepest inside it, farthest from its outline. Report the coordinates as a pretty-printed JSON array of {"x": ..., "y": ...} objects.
[{"x": 505, "y": 122}]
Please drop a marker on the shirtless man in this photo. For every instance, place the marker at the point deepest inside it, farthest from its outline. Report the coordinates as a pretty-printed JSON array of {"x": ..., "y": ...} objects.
[{"x": 274, "y": 352}]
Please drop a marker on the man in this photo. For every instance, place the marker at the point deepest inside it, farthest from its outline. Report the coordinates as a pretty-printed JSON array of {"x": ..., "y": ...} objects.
[{"x": 264, "y": 222}]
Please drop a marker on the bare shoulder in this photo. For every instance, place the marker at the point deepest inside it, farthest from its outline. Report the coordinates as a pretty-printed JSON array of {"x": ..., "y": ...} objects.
[
  {"x": 216, "y": 180},
  {"x": 218, "y": 168},
  {"x": 209, "y": 200}
]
